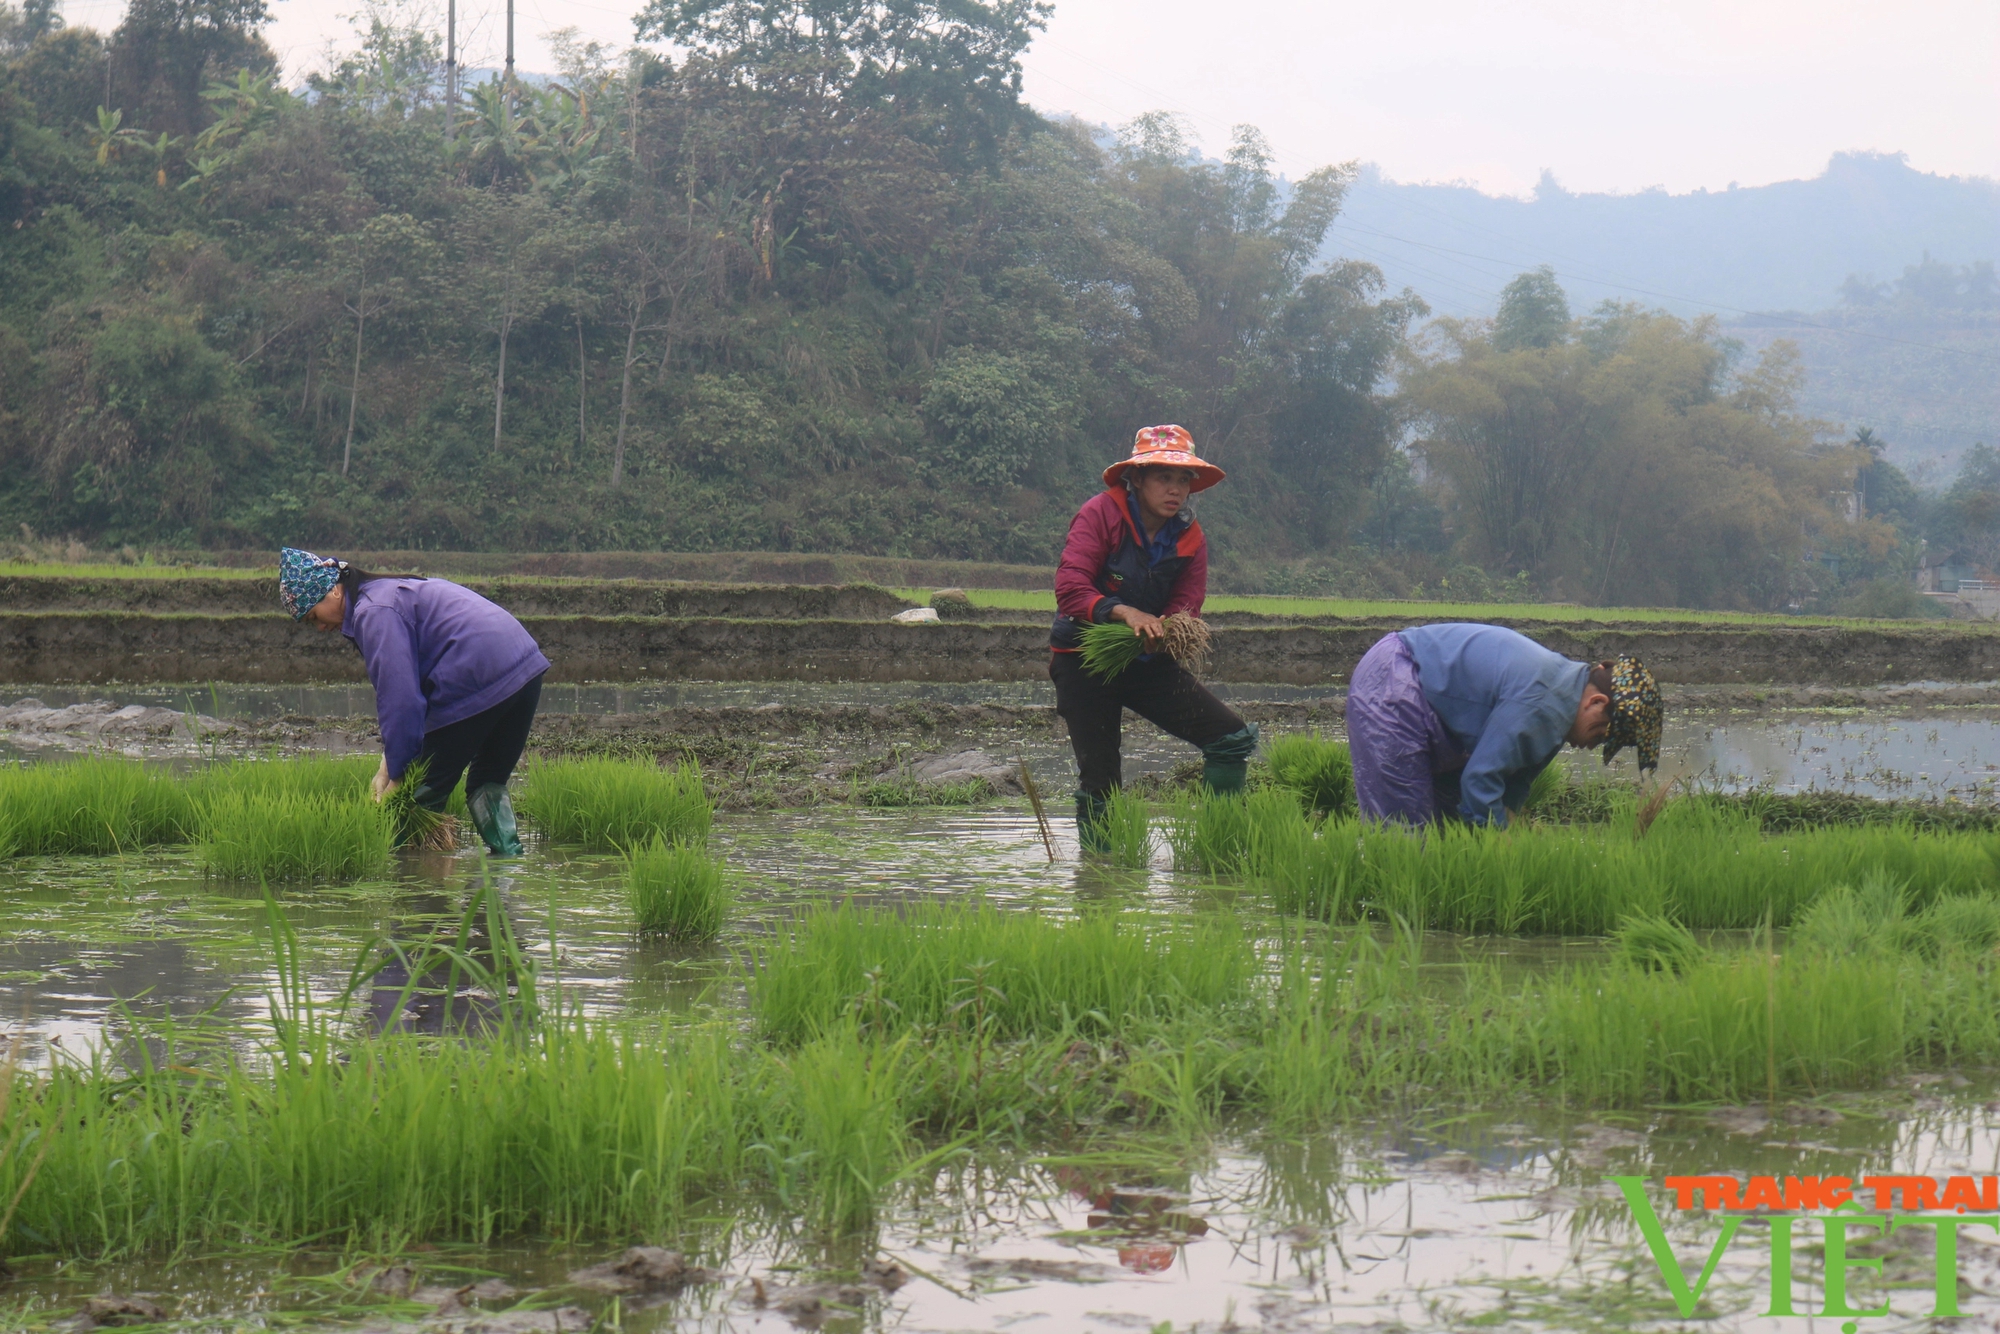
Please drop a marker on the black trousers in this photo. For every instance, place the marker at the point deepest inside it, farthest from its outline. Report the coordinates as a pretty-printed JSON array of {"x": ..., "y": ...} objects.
[
  {"x": 1162, "y": 692},
  {"x": 485, "y": 747}
]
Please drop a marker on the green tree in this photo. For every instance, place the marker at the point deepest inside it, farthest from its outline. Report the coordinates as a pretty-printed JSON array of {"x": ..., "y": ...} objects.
[
  {"x": 1634, "y": 464},
  {"x": 166, "y": 51},
  {"x": 1534, "y": 312}
]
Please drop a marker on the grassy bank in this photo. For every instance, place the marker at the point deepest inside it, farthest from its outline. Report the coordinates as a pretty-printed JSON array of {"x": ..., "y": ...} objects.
[{"x": 1366, "y": 609}]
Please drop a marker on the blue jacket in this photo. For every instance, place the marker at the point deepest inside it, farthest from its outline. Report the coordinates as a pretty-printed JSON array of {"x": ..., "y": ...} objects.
[
  {"x": 437, "y": 654},
  {"x": 1504, "y": 700}
]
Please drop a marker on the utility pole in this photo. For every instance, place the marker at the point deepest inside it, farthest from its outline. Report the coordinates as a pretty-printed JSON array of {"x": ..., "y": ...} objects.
[
  {"x": 450, "y": 68},
  {"x": 510, "y": 57}
]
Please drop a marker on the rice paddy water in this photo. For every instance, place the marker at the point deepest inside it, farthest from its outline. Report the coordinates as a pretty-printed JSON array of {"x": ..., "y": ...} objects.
[{"x": 792, "y": 1044}]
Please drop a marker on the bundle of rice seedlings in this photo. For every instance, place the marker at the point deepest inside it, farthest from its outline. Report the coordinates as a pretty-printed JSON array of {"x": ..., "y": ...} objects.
[
  {"x": 1188, "y": 641},
  {"x": 1109, "y": 647},
  {"x": 418, "y": 826},
  {"x": 677, "y": 890}
]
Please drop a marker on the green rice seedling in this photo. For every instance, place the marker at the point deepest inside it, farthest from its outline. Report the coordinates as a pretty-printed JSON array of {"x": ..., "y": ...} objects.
[
  {"x": 833, "y": 1127},
  {"x": 317, "y": 776},
  {"x": 1703, "y": 866},
  {"x": 1126, "y": 830},
  {"x": 1853, "y": 919},
  {"x": 1108, "y": 648},
  {"x": 293, "y": 837},
  {"x": 1218, "y": 835},
  {"x": 610, "y": 804},
  {"x": 1548, "y": 788},
  {"x": 417, "y": 825},
  {"x": 1320, "y": 770},
  {"x": 1036, "y": 975},
  {"x": 890, "y": 793},
  {"x": 1967, "y": 925},
  {"x": 91, "y": 805},
  {"x": 677, "y": 890},
  {"x": 1656, "y": 944},
  {"x": 907, "y": 1032}
]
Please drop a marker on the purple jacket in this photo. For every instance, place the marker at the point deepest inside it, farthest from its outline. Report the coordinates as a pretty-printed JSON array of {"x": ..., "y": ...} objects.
[{"x": 437, "y": 654}]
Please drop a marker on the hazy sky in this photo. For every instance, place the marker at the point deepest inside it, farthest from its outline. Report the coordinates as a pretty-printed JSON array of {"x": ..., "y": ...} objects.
[{"x": 1609, "y": 94}]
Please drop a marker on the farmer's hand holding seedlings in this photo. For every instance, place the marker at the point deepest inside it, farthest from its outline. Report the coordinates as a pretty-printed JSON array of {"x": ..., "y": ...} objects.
[
  {"x": 1148, "y": 626},
  {"x": 382, "y": 785}
]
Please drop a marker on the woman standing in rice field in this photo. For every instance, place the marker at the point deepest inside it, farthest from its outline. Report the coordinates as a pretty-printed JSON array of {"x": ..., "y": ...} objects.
[
  {"x": 1135, "y": 554},
  {"x": 457, "y": 680}
]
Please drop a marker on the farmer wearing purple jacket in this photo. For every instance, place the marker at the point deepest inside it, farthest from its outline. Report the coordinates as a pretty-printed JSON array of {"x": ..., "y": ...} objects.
[{"x": 456, "y": 680}]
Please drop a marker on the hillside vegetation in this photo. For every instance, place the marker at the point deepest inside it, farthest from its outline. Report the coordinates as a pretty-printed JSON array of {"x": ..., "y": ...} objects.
[{"x": 820, "y": 284}]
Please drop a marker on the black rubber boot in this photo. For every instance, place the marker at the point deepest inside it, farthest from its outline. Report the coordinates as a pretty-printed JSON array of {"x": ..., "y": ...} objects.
[
  {"x": 1090, "y": 832},
  {"x": 1225, "y": 762},
  {"x": 493, "y": 816}
]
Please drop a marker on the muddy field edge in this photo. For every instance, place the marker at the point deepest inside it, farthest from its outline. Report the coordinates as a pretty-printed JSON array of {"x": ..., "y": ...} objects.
[{"x": 135, "y": 647}]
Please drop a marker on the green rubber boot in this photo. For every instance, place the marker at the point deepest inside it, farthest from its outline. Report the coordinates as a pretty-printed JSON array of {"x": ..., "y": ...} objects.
[
  {"x": 1225, "y": 762},
  {"x": 1090, "y": 832},
  {"x": 493, "y": 817}
]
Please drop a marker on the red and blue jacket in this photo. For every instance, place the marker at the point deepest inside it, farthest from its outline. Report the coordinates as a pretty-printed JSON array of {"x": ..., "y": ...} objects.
[{"x": 1107, "y": 562}]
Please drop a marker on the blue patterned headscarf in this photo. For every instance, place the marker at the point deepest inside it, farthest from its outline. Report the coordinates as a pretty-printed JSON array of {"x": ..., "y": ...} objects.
[{"x": 303, "y": 579}]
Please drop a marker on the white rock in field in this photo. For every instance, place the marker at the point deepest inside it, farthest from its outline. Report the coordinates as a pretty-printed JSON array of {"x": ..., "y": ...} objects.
[
  {"x": 915, "y": 616},
  {"x": 962, "y": 766}
]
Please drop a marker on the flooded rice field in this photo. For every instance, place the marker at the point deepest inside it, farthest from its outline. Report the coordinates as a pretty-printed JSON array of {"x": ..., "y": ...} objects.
[
  {"x": 1470, "y": 1217},
  {"x": 1428, "y": 1212},
  {"x": 1488, "y": 1220}
]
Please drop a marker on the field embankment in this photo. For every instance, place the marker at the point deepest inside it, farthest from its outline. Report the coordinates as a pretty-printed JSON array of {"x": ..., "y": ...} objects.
[
  {"x": 768, "y": 567},
  {"x": 56, "y": 646},
  {"x": 523, "y": 596}
]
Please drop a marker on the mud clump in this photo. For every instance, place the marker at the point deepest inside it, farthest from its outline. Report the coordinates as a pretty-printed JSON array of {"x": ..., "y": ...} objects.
[
  {"x": 643, "y": 1269},
  {"x": 112, "y": 1311}
]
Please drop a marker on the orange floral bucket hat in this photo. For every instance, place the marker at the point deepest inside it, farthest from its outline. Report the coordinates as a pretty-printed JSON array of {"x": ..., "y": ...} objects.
[{"x": 1165, "y": 447}]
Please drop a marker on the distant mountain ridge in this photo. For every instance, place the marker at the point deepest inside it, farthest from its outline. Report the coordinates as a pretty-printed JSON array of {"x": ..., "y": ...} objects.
[
  {"x": 1785, "y": 246},
  {"x": 1771, "y": 260}
]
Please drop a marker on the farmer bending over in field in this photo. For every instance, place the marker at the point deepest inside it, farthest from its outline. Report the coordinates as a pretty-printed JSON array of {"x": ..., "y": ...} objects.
[
  {"x": 1135, "y": 554},
  {"x": 1465, "y": 716},
  {"x": 457, "y": 680}
]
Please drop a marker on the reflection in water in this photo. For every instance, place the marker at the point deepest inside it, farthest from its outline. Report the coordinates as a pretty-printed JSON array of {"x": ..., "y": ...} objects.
[
  {"x": 452, "y": 966},
  {"x": 1928, "y": 757}
]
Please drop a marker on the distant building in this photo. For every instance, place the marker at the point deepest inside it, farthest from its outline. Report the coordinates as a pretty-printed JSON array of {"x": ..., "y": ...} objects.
[{"x": 1965, "y": 588}]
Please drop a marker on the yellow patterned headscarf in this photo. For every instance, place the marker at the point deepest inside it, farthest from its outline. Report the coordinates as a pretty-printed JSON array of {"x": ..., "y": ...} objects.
[{"x": 1636, "y": 712}]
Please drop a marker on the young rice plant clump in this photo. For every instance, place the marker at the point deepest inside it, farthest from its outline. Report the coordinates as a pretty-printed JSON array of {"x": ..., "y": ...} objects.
[
  {"x": 1319, "y": 769},
  {"x": 677, "y": 890},
  {"x": 288, "y": 836},
  {"x": 611, "y": 804},
  {"x": 93, "y": 806},
  {"x": 1126, "y": 830}
]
